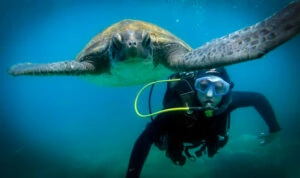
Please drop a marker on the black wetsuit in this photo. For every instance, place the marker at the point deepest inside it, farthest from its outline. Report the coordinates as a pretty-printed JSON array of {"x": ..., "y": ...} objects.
[{"x": 180, "y": 127}]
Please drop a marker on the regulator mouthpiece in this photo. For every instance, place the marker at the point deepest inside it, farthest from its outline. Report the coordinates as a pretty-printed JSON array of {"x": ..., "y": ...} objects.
[{"x": 209, "y": 113}]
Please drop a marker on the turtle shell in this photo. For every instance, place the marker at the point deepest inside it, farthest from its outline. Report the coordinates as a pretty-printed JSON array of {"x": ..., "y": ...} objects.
[{"x": 164, "y": 42}]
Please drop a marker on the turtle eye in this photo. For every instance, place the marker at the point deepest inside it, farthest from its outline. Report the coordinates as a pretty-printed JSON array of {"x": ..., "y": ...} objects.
[
  {"x": 146, "y": 39},
  {"x": 117, "y": 41}
]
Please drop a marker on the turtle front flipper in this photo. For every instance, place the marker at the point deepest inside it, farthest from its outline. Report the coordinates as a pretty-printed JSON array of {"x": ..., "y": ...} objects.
[
  {"x": 249, "y": 43},
  {"x": 56, "y": 68}
]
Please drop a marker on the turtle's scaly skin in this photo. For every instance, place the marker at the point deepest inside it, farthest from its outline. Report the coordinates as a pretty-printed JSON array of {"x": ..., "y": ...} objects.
[{"x": 246, "y": 44}]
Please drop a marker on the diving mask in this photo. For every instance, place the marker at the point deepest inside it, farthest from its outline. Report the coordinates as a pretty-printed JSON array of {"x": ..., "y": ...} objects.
[{"x": 216, "y": 84}]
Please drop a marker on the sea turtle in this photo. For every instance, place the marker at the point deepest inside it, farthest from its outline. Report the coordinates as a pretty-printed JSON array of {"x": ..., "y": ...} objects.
[{"x": 134, "y": 52}]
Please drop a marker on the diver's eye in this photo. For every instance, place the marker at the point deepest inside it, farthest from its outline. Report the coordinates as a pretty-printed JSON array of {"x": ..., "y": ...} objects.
[
  {"x": 203, "y": 85},
  {"x": 117, "y": 41},
  {"x": 146, "y": 39},
  {"x": 219, "y": 87}
]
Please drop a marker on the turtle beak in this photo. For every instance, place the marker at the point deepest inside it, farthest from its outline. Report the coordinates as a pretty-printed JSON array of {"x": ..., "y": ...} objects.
[{"x": 131, "y": 51}]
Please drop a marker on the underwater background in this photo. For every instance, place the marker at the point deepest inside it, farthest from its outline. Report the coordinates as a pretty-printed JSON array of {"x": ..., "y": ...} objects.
[{"x": 65, "y": 127}]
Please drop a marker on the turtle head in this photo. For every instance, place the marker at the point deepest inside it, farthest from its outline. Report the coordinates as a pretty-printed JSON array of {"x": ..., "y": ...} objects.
[{"x": 131, "y": 45}]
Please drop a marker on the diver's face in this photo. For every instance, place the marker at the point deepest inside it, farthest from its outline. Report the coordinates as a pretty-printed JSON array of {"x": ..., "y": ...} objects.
[
  {"x": 209, "y": 99},
  {"x": 210, "y": 90}
]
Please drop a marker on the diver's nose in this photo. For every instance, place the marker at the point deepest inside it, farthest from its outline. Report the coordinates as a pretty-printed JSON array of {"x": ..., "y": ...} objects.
[
  {"x": 132, "y": 44},
  {"x": 210, "y": 92}
]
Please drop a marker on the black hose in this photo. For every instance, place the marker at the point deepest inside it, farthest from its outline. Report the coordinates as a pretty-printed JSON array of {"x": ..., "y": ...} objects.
[{"x": 149, "y": 101}]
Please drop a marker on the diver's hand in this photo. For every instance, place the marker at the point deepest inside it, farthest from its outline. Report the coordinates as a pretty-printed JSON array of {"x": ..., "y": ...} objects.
[
  {"x": 266, "y": 138},
  {"x": 178, "y": 159}
]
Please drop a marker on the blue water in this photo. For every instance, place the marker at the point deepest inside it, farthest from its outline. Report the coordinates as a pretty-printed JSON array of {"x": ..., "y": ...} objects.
[{"x": 65, "y": 127}]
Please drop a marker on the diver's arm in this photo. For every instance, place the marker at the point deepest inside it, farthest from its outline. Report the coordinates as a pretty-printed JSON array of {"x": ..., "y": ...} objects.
[
  {"x": 143, "y": 144},
  {"x": 139, "y": 154},
  {"x": 260, "y": 103}
]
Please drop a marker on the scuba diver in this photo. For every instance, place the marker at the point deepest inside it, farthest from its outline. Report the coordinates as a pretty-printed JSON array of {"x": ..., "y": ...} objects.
[{"x": 204, "y": 127}]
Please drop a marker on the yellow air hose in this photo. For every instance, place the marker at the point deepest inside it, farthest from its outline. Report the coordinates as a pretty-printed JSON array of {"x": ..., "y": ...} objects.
[{"x": 161, "y": 111}]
